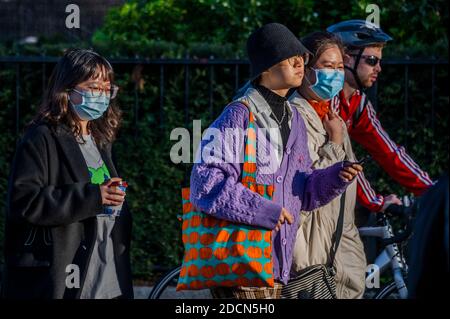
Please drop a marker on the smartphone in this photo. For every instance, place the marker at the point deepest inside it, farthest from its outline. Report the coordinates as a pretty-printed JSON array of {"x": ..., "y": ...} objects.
[
  {"x": 364, "y": 160},
  {"x": 361, "y": 161}
]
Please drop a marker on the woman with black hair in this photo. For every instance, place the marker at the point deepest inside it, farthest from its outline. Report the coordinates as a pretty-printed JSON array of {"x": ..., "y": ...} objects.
[
  {"x": 328, "y": 143},
  {"x": 61, "y": 238}
]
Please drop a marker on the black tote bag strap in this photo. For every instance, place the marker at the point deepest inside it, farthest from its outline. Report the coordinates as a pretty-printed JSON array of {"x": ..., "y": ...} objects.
[{"x": 339, "y": 229}]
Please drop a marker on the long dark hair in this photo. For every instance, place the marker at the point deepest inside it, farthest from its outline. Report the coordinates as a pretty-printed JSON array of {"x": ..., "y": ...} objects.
[
  {"x": 77, "y": 66},
  {"x": 319, "y": 41}
]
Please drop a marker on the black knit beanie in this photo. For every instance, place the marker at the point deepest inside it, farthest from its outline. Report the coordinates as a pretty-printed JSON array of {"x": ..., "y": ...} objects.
[{"x": 271, "y": 44}]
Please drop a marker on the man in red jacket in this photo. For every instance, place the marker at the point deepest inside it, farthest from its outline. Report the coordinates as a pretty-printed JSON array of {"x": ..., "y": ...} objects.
[{"x": 364, "y": 43}]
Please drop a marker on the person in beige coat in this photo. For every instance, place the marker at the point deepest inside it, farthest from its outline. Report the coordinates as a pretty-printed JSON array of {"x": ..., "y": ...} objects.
[{"x": 328, "y": 143}]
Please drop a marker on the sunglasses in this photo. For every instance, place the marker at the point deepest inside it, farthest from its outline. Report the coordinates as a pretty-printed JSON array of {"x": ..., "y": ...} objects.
[{"x": 371, "y": 60}]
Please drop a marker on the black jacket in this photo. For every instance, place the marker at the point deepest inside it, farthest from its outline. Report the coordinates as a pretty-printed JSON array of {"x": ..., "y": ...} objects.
[
  {"x": 51, "y": 217},
  {"x": 429, "y": 245}
]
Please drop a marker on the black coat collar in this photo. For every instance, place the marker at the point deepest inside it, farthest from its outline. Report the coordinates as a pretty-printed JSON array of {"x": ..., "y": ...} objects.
[{"x": 74, "y": 157}]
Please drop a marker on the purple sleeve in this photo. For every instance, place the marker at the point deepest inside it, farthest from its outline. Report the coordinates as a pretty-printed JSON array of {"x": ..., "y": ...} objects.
[
  {"x": 215, "y": 185},
  {"x": 322, "y": 186}
]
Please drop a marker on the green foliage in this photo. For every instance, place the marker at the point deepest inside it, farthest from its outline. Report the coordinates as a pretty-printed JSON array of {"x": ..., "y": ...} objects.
[{"x": 221, "y": 27}]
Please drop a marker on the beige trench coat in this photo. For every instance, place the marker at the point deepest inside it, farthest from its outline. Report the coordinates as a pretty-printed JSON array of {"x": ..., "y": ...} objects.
[{"x": 314, "y": 236}]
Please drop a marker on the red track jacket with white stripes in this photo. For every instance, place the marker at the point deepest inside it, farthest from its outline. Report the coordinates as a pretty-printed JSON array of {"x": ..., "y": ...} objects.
[{"x": 365, "y": 128}]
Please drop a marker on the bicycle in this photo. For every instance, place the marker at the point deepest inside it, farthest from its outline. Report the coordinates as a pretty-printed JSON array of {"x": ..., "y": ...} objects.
[
  {"x": 390, "y": 256},
  {"x": 165, "y": 288}
]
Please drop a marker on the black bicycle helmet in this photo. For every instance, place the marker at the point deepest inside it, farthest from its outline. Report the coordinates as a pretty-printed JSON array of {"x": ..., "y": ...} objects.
[{"x": 359, "y": 33}]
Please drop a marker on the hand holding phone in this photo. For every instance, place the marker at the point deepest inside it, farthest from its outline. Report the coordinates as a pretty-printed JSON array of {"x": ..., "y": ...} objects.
[
  {"x": 349, "y": 171},
  {"x": 360, "y": 162}
]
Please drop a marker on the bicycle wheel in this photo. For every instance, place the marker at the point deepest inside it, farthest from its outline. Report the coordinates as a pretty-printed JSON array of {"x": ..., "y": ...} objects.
[
  {"x": 388, "y": 292},
  {"x": 165, "y": 288}
]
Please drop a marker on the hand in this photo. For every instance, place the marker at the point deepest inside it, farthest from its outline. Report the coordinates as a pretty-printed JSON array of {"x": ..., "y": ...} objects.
[
  {"x": 389, "y": 200},
  {"x": 333, "y": 126},
  {"x": 111, "y": 195},
  {"x": 349, "y": 172},
  {"x": 284, "y": 216}
]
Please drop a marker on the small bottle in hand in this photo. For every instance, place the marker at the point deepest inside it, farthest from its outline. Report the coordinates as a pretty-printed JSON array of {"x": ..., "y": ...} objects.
[{"x": 115, "y": 209}]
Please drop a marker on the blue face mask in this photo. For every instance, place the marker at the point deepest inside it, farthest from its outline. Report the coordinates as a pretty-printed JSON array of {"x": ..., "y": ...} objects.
[
  {"x": 328, "y": 83},
  {"x": 92, "y": 105}
]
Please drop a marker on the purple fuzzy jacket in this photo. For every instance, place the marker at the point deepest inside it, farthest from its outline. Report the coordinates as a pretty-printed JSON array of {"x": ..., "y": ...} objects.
[{"x": 216, "y": 187}]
